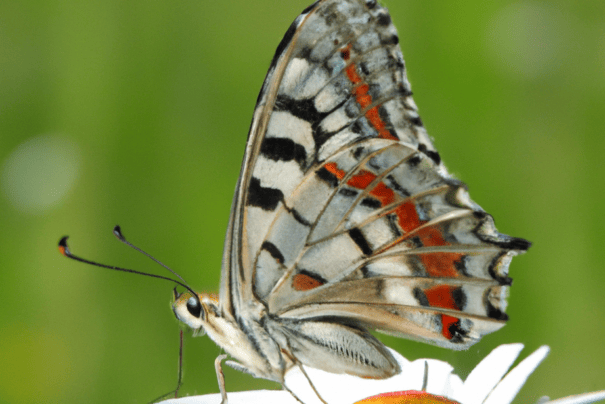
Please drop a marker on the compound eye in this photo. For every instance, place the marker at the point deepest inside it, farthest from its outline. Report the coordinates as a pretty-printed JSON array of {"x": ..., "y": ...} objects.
[{"x": 194, "y": 307}]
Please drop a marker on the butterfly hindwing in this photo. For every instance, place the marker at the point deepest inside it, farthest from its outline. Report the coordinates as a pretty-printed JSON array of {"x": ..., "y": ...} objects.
[{"x": 421, "y": 250}]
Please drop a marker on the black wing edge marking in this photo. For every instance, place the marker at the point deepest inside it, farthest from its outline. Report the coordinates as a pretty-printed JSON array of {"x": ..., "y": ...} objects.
[
  {"x": 498, "y": 239},
  {"x": 273, "y": 251},
  {"x": 264, "y": 198}
]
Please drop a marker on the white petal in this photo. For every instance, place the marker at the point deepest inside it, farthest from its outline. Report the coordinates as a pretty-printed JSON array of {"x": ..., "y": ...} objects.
[
  {"x": 507, "y": 389},
  {"x": 488, "y": 373},
  {"x": 413, "y": 375},
  {"x": 456, "y": 388},
  {"x": 439, "y": 374},
  {"x": 580, "y": 398},
  {"x": 239, "y": 397}
]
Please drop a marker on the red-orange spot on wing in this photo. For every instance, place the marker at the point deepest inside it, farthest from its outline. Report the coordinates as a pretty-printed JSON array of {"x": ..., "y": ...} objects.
[
  {"x": 373, "y": 116},
  {"x": 362, "y": 90},
  {"x": 374, "y": 119},
  {"x": 62, "y": 250},
  {"x": 361, "y": 180},
  {"x": 383, "y": 193},
  {"x": 346, "y": 52},
  {"x": 442, "y": 296},
  {"x": 438, "y": 265},
  {"x": 446, "y": 324},
  {"x": 352, "y": 74},
  {"x": 441, "y": 265},
  {"x": 362, "y": 97},
  {"x": 333, "y": 168},
  {"x": 408, "y": 217},
  {"x": 430, "y": 237},
  {"x": 386, "y": 134},
  {"x": 303, "y": 282}
]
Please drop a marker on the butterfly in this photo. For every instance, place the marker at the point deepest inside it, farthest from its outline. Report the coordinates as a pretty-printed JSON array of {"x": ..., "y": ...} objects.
[{"x": 345, "y": 218}]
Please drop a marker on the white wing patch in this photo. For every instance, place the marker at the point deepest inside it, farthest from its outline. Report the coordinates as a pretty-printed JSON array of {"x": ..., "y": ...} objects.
[{"x": 287, "y": 126}]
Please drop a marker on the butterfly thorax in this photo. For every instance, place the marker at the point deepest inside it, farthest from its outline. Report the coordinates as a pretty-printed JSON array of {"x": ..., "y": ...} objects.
[{"x": 236, "y": 338}]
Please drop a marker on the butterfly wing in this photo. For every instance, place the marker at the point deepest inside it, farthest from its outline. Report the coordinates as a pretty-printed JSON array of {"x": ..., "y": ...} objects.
[{"x": 344, "y": 210}]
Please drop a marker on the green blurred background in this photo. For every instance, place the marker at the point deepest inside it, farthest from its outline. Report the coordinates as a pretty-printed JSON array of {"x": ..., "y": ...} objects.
[{"x": 136, "y": 113}]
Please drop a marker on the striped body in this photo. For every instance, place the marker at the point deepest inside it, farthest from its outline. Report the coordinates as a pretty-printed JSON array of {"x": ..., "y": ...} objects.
[{"x": 345, "y": 217}]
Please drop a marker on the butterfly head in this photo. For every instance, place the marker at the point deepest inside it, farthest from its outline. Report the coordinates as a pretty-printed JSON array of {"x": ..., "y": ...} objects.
[{"x": 193, "y": 310}]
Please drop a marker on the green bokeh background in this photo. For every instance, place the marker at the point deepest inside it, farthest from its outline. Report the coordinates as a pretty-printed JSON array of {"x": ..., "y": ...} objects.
[{"x": 136, "y": 113}]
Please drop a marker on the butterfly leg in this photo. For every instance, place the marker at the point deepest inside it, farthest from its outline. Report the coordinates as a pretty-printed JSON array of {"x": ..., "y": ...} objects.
[
  {"x": 221, "y": 377},
  {"x": 311, "y": 383},
  {"x": 292, "y": 393},
  {"x": 180, "y": 376},
  {"x": 302, "y": 369}
]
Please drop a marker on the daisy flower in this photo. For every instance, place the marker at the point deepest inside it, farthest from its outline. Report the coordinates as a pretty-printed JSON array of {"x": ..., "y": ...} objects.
[{"x": 424, "y": 381}]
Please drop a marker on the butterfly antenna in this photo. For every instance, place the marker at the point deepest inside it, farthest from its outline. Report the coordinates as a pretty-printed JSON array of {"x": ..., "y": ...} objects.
[
  {"x": 117, "y": 231},
  {"x": 64, "y": 250}
]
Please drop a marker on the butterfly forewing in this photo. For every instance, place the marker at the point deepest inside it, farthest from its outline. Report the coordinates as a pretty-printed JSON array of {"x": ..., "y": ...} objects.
[{"x": 344, "y": 213}]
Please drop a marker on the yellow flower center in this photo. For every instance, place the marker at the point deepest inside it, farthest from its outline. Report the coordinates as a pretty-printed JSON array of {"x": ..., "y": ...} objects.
[{"x": 406, "y": 397}]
